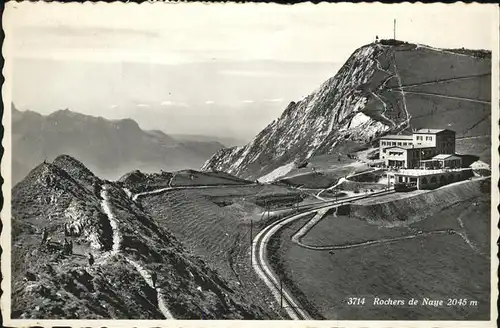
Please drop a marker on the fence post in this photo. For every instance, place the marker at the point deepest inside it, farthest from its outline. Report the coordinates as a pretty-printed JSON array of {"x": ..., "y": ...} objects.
[
  {"x": 251, "y": 244},
  {"x": 281, "y": 291}
]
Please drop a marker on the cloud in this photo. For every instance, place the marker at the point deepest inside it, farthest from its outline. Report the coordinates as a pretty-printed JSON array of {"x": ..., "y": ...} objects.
[
  {"x": 113, "y": 106},
  {"x": 209, "y": 102},
  {"x": 247, "y": 101},
  {"x": 89, "y": 31},
  {"x": 247, "y": 73},
  {"x": 173, "y": 103},
  {"x": 142, "y": 105},
  {"x": 274, "y": 100}
]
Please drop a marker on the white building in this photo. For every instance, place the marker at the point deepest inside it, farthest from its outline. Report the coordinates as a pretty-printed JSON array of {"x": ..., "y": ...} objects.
[{"x": 410, "y": 151}]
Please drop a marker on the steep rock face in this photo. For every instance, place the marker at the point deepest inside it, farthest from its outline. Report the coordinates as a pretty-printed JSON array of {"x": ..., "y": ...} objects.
[
  {"x": 69, "y": 202},
  {"x": 391, "y": 86},
  {"x": 313, "y": 125}
]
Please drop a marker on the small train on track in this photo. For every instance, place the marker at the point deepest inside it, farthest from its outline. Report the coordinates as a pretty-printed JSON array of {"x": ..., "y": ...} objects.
[{"x": 405, "y": 186}]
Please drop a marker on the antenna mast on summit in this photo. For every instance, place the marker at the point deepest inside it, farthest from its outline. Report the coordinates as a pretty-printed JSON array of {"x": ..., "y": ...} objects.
[{"x": 394, "y": 28}]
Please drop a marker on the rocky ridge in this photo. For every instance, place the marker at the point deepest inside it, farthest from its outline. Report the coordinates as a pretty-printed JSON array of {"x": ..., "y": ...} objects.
[{"x": 127, "y": 245}]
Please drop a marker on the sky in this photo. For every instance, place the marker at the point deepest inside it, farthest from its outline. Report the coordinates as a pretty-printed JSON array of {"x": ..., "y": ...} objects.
[{"x": 216, "y": 69}]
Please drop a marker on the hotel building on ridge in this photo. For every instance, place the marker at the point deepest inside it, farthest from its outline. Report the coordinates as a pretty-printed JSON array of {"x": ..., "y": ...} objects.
[{"x": 425, "y": 148}]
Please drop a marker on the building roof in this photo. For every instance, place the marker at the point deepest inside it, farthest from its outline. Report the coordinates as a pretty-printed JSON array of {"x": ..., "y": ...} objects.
[
  {"x": 422, "y": 147},
  {"x": 410, "y": 147},
  {"x": 398, "y": 136},
  {"x": 400, "y": 147},
  {"x": 432, "y": 131},
  {"x": 445, "y": 156},
  {"x": 418, "y": 172}
]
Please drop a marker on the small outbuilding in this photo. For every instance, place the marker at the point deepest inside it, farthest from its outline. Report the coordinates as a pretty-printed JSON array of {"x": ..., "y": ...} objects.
[
  {"x": 430, "y": 179},
  {"x": 448, "y": 161},
  {"x": 443, "y": 161}
]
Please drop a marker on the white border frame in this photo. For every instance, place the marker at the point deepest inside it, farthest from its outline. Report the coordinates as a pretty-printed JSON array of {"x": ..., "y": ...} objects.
[{"x": 5, "y": 240}]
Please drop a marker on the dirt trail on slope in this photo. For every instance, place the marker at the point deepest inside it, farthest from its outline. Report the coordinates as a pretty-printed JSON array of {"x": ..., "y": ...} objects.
[
  {"x": 117, "y": 238},
  {"x": 446, "y": 96},
  {"x": 440, "y": 81},
  {"x": 408, "y": 116}
]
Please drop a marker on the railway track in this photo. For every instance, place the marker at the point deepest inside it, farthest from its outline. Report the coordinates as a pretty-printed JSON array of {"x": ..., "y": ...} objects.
[
  {"x": 262, "y": 267},
  {"x": 338, "y": 201},
  {"x": 264, "y": 271}
]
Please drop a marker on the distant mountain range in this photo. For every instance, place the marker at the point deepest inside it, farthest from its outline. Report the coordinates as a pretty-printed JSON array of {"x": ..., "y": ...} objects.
[
  {"x": 110, "y": 148},
  {"x": 386, "y": 87},
  {"x": 226, "y": 141}
]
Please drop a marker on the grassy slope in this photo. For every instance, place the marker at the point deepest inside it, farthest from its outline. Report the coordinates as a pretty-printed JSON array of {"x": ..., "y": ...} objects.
[
  {"x": 417, "y": 66},
  {"x": 474, "y": 88},
  {"x": 344, "y": 229},
  {"x": 480, "y": 146},
  {"x": 316, "y": 180},
  {"x": 206, "y": 228},
  {"x": 137, "y": 181},
  {"x": 201, "y": 221},
  {"x": 438, "y": 266},
  {"x": 220, "y": 235},
  {"x": 416, "y": 208},
  {"x": 438, "y": 73},
  {"x": 67, "y": 287},
  {"x": 326, "y": 177},
  {"x": 195, "y": 178},
  {"x": 465, "y": 117}
]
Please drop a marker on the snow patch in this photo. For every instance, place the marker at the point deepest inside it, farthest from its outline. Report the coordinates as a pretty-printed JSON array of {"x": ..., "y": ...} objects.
[
  {"x": 277, "y": 173},
  {"x": 127, "y": 192},
  {"x": 359, "y": 119}
]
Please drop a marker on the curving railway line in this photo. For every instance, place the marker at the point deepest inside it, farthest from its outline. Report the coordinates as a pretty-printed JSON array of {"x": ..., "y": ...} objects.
[
  {"x": 259, "y": 250},
  {"x": 260, "y": 260}
]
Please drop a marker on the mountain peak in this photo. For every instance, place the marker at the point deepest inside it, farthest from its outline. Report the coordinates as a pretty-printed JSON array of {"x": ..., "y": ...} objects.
[
  {"x": 385, "y": 86},
  {"x": 74, "y": 167}
]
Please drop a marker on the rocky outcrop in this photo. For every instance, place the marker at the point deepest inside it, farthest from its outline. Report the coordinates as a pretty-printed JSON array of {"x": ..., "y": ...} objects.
[
  {"x": 63, "y": 202},
  {"x": 386, "y": 87}
]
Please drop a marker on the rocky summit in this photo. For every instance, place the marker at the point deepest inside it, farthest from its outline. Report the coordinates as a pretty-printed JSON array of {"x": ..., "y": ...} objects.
[
  {"x": 384, "y": 87},
  {"x": 82, "y": 248}
]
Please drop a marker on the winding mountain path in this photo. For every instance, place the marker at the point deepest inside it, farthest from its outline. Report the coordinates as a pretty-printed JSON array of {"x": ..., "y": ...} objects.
[
  {"x": 117, "y": 239},
  {"x": 396, "y": 73},
  {"x": 445, "y": 96},
  {"x": 159, "y": 294},
  {"x": 467, "y": 77}
]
